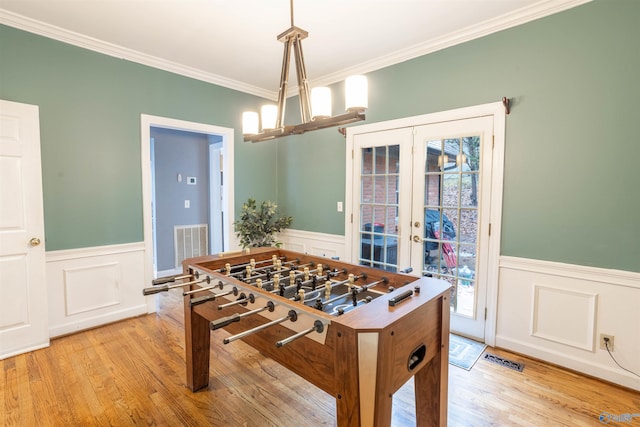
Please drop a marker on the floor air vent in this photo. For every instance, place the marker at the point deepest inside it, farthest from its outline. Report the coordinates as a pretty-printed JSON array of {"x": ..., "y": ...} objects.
[{"x": 504, "y": 362}]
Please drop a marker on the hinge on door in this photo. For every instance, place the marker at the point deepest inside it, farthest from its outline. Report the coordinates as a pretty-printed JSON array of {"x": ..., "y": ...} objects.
[
  {"x": 489, "y": 229},
  {"x": 352, "y": 154},
  {"x": 352, "y": 218},
  {"x": 485, "y": 313},
  {"x": 493, "y": 141}
]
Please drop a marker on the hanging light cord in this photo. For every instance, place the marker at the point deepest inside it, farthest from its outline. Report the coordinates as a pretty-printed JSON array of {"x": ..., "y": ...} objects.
[{"x": 606, "y": 344}]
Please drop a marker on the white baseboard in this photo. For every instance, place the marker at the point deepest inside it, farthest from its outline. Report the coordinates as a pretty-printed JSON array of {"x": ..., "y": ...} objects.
[
  {"x": 556, "y": 312},
  {"x": 25, "y": 350},
  {"x": 75, "y": 325}
]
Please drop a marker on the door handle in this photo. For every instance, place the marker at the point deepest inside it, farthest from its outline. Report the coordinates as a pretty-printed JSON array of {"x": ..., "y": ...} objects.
[
  {"x": 34, "y": 241},
  {"x": 416, "y": 224},
  {"x": 417, "y": 239}
]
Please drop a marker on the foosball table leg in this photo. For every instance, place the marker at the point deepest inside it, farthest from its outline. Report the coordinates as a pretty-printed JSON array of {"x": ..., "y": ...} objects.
[
  {"x": 197, "y": 347},
  {"x": 431, "y": 382}
]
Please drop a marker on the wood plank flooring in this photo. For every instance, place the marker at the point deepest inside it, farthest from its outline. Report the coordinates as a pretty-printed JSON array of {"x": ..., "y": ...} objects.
[{"x": 133, "y": 373}]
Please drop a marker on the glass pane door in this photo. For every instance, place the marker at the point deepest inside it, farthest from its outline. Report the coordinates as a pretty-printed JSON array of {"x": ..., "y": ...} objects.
[
  {"x": 379, "y": 205},
  {"x": 382, "y": 198},
  {"x": 448, "y": 171}
]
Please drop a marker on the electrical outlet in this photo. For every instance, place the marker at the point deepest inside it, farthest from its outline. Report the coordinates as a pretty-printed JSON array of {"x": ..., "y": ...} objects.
[{"x": 606, "y": 340}]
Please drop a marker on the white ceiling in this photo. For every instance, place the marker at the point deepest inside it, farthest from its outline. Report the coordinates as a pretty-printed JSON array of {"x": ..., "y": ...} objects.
[{"x": 233, "y": 43}]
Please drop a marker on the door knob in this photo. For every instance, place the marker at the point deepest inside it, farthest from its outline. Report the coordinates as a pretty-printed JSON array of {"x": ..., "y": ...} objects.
[
  {"x": 417, "y": 238},
  {"x": 416, "y": 224},
  {"x": 34, "y": 241}
]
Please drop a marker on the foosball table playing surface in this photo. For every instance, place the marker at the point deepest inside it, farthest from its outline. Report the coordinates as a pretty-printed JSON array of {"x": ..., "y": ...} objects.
[{"x": 356, "y": 332}]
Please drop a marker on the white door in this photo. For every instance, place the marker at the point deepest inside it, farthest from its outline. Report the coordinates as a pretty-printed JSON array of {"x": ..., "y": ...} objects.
[
  {"x": 452, "y": 164},
  {"x": 23, "y": 291}
]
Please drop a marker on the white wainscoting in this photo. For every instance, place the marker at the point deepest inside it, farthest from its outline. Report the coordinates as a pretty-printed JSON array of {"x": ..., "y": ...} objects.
[
  {"x": 318, "y": 244},
  {"x": 547, "y": 310},
  {"x": 89, "y": 287},
  {"x": 556, "y": 312}
]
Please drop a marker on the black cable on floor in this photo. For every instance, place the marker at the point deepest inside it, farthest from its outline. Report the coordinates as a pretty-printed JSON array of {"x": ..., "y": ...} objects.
[{"x": 606, "y": 344}]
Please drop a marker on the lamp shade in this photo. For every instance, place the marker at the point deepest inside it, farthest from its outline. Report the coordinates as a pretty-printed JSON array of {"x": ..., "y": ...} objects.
[
  {"x": 356, "y": 97},
  {"x": 269, "y": 115},
  {"x": 320, "y": 102},
  {"x": 250, "y": 123}
]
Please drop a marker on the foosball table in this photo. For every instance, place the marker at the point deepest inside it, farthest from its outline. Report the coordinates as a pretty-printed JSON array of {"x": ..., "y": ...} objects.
[{"x": 355, "y": 332}]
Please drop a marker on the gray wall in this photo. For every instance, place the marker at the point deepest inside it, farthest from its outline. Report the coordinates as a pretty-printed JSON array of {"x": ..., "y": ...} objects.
[{"x": 185, "y": 153}]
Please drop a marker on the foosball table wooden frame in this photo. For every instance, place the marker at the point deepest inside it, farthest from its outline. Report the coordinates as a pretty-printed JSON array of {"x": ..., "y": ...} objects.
[{"x": 362, "y": 357}]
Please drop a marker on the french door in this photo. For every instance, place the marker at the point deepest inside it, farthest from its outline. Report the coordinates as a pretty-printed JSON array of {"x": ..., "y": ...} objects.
[
  {"x": 450, "y": 204},
  {"x": 422, "y": 199}
]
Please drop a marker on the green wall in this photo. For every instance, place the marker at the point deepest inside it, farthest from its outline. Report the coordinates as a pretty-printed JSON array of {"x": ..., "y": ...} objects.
[
  {"x": 571, "y": 175},
  {"x": 572, "y": 180},
  {"x": 90, "y": 106}
]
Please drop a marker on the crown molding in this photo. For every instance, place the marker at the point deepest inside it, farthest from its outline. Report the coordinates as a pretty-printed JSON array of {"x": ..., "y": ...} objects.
[
  {"x": 509, "y": 20},
  {"x": 60, "y": 34},
  {"x": 521, "y": 16}
]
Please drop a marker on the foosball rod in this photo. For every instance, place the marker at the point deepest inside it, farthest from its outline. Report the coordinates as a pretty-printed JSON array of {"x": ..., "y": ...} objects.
[
  {"x": 296, "y": 276},
  {"x": 164, "y": 288},
  {"x": 284, "y": 270},
  {"x": 271, "y": 268},
  {"x": 332, "y": 285},
  {"x": 242, "y": 299},
  {"x": 212, "y": 296},
  {"x": 326, "y": 277},
  {"x": 292, "y": 315},
  {"x": 317, "y": 326},
  {"x": 355, "y": 289},
  {"x": 242, "y": 266},
  {"x": 224, "y": 321},
  {"x": 220, "y": 285},
  {"x": 167, "y": 279}
]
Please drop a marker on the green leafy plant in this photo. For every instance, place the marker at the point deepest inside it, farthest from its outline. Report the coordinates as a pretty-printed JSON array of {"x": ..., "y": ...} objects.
[{"x": 258, "y": 224}]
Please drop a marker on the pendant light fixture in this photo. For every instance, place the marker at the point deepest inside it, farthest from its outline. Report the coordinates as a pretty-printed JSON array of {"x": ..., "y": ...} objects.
[{"x": 315, "y": 106}]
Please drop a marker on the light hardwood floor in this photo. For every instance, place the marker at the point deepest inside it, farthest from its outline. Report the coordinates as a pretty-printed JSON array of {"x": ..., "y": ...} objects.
[{"x": 133, "y": 373}]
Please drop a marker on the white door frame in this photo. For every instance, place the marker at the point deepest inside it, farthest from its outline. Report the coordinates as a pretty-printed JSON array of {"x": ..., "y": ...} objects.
[
  {"x": 148, "y": 121},
  {"x": 216, "y": 169},
  {"x": 495, "y": 109}
]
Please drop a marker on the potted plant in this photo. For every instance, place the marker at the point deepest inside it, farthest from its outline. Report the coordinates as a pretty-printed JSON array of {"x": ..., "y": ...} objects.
[{"x": 258, "y": 224}]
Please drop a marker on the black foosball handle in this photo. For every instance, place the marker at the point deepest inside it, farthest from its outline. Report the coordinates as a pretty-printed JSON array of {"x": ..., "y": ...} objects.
[
  {"x": 155, "y": 290},
  {"x": 171, "y": 279},
  {"x": 224, "y": 321}
]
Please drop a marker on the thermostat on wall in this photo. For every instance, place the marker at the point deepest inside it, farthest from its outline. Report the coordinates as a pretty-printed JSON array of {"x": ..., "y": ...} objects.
[{"x": 191, "y": 180}]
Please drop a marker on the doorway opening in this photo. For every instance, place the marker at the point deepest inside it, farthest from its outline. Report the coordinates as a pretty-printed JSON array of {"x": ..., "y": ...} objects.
[{"x": 219, "y": 182}]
